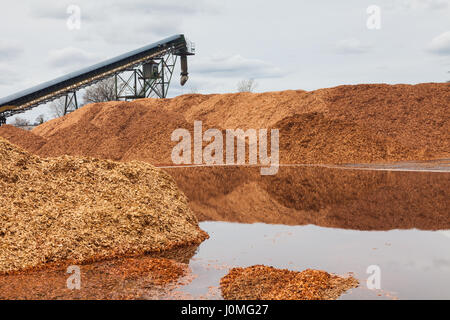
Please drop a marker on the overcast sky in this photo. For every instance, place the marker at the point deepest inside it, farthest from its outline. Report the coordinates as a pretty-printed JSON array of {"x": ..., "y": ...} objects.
[{"x": 281, "y": 44}]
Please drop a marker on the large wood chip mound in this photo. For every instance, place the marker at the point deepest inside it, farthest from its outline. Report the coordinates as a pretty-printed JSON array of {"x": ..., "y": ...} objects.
[
  {"x": 261, "y": 282},
  {"x": 345, "y": 124},
  {"x": 76, "y": 210}
]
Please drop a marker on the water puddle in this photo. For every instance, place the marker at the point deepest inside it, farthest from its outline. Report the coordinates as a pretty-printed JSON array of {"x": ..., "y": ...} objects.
[
  {"x": 414, "y": 264},
  {"x": 330, "y": 219}
]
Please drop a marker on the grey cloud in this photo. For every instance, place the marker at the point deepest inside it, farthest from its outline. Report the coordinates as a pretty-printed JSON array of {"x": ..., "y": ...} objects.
[
  {"x": 128, "y": 36},
  {"x": 54, "y": 10},
  {"x": 9, "y": 50},
  {"x": 165, "y": 6},
  {"x": 7, "y": 76},
  {"x": 138, "y": 10},
  {"x": 138, "y": 25},
  {"x": 441, "y": 263},
  {"x": 352, "y": 46},
  {"x": 195, "y": 84},
  {"x": 58, "y": 10},
  {"x": 70, "y": 57},
  {"x": 236, "y": 66},
  {"x": 49, "y": 10},
  {"x": 424, "y": 4},
  {"x": 161, "y": 27}
]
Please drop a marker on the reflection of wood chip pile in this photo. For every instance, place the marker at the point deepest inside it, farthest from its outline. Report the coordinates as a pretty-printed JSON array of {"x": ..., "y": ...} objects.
[
  {"x": 267, "y": 283},
  {"x": 129, "y": 278},
  {"x": 79, "y": 210},
  {"x": 336, "y": 198}
]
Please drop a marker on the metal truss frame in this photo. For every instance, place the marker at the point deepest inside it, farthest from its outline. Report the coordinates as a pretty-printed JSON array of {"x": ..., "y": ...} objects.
[
  {"x": 70, "y": 101},
  {"x": 136, "y": 84},
  {"x": 164, "y": 52},
  {"x": 131, "y": 84}
]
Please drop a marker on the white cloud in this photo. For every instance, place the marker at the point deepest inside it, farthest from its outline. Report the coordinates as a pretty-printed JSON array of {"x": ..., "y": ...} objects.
[
  {"x": 352, "y": 46},
  {"x": 236, "y": 66},
  {"x": 440, "y": 44}
]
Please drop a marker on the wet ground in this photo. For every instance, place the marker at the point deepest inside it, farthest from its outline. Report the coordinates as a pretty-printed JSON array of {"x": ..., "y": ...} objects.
[
  {"x": 414, "y": 264},
  {"x": 395, "y": 217}
]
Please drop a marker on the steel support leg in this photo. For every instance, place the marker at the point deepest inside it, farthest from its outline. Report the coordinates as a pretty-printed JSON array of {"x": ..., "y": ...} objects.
[{"x": 70, "y": 101}]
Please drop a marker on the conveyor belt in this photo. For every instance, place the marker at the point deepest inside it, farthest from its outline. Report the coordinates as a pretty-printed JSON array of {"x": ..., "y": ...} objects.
[{"x": 51, "y": 90}]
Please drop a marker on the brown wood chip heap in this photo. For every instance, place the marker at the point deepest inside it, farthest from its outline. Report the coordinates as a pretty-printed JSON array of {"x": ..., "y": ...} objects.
[
  {"x": 78, "y": 210},
  {"x": 261, "y": 282},
  {"x": 345, "y": 124}
]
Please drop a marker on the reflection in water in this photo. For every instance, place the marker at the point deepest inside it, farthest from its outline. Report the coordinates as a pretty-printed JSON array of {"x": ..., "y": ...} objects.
[
  {"x": 144, "y": 277},
  {"x": 330, "y": 212},
  {"x": 414, "y": 264},
  {"x": 328, "y": 197}
]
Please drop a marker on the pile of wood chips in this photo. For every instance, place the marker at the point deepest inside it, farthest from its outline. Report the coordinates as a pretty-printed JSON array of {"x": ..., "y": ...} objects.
[
  {"x": 25, "y": 139},
  {"x": 78, "y": 210},
  {"x": 345, "y": 124},
  {"x": 261, "y": 282}
]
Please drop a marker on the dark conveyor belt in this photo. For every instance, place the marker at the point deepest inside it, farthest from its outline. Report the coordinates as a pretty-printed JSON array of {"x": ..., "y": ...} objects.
[{"x": 159, "y": 57}]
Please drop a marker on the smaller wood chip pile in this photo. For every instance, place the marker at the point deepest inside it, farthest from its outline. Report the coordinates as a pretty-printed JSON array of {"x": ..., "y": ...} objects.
[
  {"x": 23, "y": 138},
  {"x": 77, "y": 210},
  {"x": 261, "y": 282}
]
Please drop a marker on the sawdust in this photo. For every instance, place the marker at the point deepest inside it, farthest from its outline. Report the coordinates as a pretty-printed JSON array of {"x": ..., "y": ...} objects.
[
  {"x": 261, "y": 282},
  {"x": 78, "y": 210}
]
